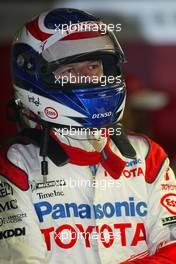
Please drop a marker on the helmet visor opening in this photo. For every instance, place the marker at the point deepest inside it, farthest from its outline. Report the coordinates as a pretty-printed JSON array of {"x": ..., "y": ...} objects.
[{"x": 92, "y": 69}]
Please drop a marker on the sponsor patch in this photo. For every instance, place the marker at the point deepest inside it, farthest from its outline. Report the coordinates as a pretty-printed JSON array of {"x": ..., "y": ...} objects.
[
  {"x": 12, "y": 233},
  {"x": 41, "y": 185},
  {"x": 34, "y": 100},
  {"x": 66, "y": 236},
  {"x": 50, "y": 194},
  {"x": 133, "y": 162},
  {"x": 133, "y": 173},
  {"x": 12, "y": 219},
  {"x": 8, "y": 205},
  {"x": 51, "y": 112},
  {"x": 169, "y": 202},
  {"x": 168, "y": 187},
  {"x": 169, "y": 220},
  {"x": 5, "y": 189},
  {"x": 129, "y": 208}
]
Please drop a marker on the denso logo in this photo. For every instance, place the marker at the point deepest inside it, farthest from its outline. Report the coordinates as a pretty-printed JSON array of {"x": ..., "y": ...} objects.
[
  {"x": 169, "y": 202},
  {"x": 60, "y": 210},
  {"x": 102, "y": 115},
  {"x": 51, "y": 112}
]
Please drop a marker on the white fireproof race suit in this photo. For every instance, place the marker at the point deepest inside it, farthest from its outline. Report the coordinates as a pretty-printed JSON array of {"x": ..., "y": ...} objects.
[{"x": 98, "y": 208}]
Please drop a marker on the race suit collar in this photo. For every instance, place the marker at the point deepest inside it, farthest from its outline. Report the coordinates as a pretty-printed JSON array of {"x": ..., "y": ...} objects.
[
  {"x": 83, "y": 139},
  {"x": 112, "y": 163},
  {"x": 60, "y": 153}
]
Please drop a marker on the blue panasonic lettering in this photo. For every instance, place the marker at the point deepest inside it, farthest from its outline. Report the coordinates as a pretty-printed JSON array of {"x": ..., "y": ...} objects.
[
  {"x": 133, "y": 162},
  {"x": 98, "y": 211},
  {"x": 72, "y": 206},
  {"x": 126, "y": 208},
  {"x": 85, "y": 211},
  {"x": 138, "y": 209},
  {"x": 59, "y": 211},
  {"x": 108, "y": 209},
  {"x": 119, "y": 207},
  {"x": 42, "y": 208},
  {"x": 132, "y": 206}
]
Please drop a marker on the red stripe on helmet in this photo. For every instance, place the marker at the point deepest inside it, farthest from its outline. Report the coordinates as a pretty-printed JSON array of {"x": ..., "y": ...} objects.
[{"x": 33, "y": 28}]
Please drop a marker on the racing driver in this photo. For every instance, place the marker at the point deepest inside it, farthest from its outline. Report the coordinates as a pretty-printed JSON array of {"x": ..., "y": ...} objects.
[{"x": 74, "y": 187}]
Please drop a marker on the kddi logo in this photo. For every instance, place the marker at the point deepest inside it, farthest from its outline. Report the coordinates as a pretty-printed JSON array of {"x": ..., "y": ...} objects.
[
  {"x": 13, "y": 233},
  {"x": 12, "y": 204}
]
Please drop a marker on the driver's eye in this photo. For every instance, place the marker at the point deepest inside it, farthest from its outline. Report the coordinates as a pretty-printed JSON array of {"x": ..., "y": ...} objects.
[
  {"x": 65, "y": 72},
  {"x": 93, "y": 66},
  {"x": 68, "y": 71}
]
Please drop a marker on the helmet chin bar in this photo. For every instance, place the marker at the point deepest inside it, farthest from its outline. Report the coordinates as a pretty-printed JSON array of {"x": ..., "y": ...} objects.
[{"x": 111, "y": 63}]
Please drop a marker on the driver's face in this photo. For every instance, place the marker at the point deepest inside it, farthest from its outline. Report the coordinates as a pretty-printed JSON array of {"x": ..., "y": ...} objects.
[{"x": 86, "y": 68}]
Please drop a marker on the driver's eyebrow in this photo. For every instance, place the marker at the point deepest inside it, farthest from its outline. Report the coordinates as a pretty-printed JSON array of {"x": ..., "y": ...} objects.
[
  {"x": 70, "y": 65},
  {"x": 77, "y": 63},
  {"x": 66, "y": 66}
]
